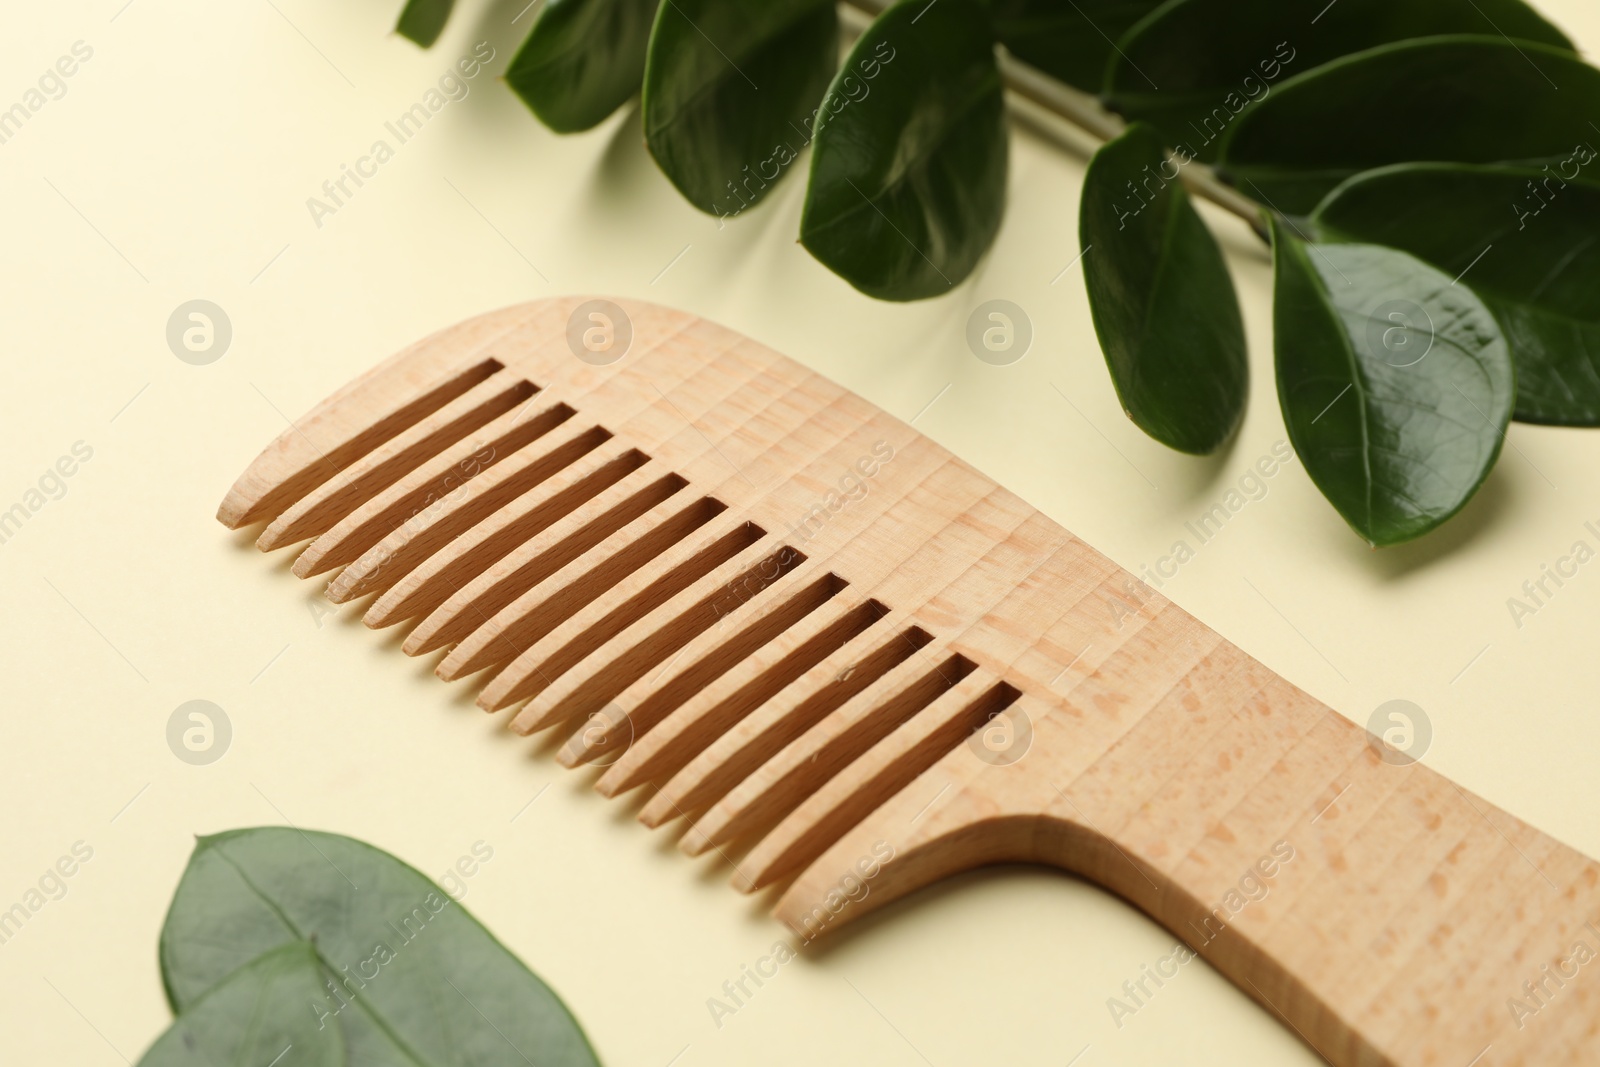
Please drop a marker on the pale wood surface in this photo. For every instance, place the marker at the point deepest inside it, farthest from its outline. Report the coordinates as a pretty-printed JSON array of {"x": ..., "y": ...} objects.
[{"x": 1387, "y": 915}]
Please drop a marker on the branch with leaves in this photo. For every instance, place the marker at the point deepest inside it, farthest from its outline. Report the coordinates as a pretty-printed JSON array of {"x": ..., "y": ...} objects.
[{"x": 1424, "y": 171}]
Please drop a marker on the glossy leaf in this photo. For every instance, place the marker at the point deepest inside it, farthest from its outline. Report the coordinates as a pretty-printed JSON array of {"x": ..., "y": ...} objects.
[
  {"x": 1212, "y": 59},
  {"x": 908, "y": 173},
  {"x": 1070, "y": 41},
  {"x": 1526, "y": 241},
  {"x": 1164, "y": 307},
  {"x": 417, "y": 979},
  {"x": 423, "y": 21},
  {"x": 1396, "y": 386},
  {"x": 582, "y": 60},
  {"x": 1441, "y": 99},
  {"x": 730, "y": 91},
  {"x": 259, "y": 1014}
]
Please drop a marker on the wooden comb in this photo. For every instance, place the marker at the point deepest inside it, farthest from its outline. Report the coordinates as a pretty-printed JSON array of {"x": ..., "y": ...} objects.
[{"x": 818, "y": 634}]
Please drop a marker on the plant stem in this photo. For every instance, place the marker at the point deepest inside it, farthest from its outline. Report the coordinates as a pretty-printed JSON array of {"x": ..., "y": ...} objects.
[{"x": 1085, "y": 112}]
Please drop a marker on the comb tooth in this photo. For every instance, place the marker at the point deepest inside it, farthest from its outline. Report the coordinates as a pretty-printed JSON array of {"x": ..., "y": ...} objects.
[
  {"x": 616, "y": 609},
  {"x": 542, "y": 584},
  {"x": 934, "y": 827},
  {"x": 486, "y": 641},
  {"x": 424, "y": 487},
  {"x": 319, "y": 510},
  {"x": 472, "y": 604},
  {"x": 593, "y": 668},
  {"x": 715, "y": 709},
  {"x": 708, "y": 657},
  {"x": 826, "y": 743},
  {"x": 872, "y": 778},
  {"x": 371, "y": 410},
  {"x": 744, "y": 745},
  {"x": 712, "y": 780},
  {"x": 731, "y": 753},
  {"x": 527, "y": 490},
  {"x": 465, "y": 506},
  {"x": 773, "y": 789},
  {"x": 574, "y": 500}
]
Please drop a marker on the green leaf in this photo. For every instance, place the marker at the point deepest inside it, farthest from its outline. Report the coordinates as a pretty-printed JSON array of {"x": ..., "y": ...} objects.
[
  {"x": 1440, "y": 99},
  {"x": 582, "y": 60},
  {"x": 1213, "y": 58},
  {"x": 908, "y": 175},
  {"x": 260, "y": 1014},
  {"x": 1164, "y": 307},
  {"x": 416, "y": 979},
  {"x": 1396, "y": 386},
  {"x": 1526, "y": 241},
  {"x": 730, "y": 91},
  {"x": 1069, "y": 41},
  {"x": 423, "y": 21}
]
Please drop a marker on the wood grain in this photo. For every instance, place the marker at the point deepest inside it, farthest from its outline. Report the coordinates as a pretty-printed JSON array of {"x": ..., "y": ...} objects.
[{"x": 814, "y": 632}]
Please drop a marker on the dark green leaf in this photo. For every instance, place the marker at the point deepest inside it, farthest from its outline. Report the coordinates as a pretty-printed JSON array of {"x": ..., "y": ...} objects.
[
  {"x": 418, "y": 980},
  {"x": 582, "y": 61},
  {"x": 423, "y": 20},
  {"x": 1070, "y": 41},
  {"x": 1396, "y": 386},
  {"x": 1527, "y": 242},
  {"x": 260, "y": 1014},
  {"x": 1441, "y": 99},
  {"x": 1163, "y": 304},
  {"x": 908, "y": 175},
  {"x": 1213, "y": 58},
  {"x": 730, "y": 91}
]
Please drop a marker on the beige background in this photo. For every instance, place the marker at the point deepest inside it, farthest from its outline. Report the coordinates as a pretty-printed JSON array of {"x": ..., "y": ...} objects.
[{"x": 177, "y": 165}]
